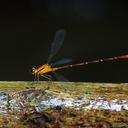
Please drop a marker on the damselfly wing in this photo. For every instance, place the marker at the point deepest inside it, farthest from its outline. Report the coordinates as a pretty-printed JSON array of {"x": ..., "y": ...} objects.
[{"x": 50, "y": 67}]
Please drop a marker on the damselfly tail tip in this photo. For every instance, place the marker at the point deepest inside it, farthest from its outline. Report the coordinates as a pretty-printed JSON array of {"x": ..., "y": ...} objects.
[{"x": 124, "y": 56}]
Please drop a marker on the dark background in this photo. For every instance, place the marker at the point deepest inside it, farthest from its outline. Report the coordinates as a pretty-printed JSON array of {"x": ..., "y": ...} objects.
[{"x": 94, "y": 29}]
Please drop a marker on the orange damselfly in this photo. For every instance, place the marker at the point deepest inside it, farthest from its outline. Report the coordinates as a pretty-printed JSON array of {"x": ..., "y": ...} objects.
[{"x": 56, "y": 45}]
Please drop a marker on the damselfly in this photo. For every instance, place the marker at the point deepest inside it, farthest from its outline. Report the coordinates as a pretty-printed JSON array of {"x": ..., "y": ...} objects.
[{"x": 56, "y": 45}]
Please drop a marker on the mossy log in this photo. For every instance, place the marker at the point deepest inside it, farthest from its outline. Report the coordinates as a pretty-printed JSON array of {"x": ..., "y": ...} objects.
[
  {"x": 63, "y": 104},
  {"x": 113, "y": 90}
]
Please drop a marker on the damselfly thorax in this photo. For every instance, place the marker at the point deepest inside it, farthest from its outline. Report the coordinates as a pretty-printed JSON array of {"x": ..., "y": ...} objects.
[{"x": 43, "y": 69}]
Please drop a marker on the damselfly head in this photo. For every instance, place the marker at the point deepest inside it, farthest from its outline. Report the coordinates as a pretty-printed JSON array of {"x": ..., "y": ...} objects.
[{"x": 34, "y": 71}]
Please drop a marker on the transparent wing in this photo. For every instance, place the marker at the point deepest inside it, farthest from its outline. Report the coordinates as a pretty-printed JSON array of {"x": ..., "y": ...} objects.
[
  {"x": 62, "y": 61},
  {"x": 56, "y": 44},
  {"x": 59, "y": 77}
]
